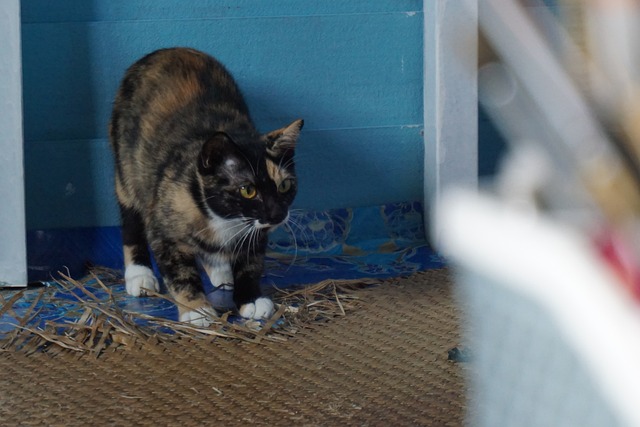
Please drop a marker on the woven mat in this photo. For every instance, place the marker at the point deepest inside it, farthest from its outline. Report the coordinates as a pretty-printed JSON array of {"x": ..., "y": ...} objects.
[{"x": 382, "y": 364}]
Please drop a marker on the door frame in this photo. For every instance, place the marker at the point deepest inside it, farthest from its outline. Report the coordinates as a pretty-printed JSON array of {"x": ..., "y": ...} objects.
[
  {"x": 13, "y": 253},
  {"x": 450, "y": 102}
]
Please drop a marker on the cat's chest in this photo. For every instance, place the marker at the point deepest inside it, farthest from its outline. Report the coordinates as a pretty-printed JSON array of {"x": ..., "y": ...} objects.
[
  {"x": 228, "y": 232},
  {"x": 230, "y": 236}
]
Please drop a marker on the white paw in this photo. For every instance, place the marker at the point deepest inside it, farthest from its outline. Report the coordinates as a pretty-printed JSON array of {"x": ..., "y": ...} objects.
[
  {"x": 262, "y": 308},
  {"x": 202, "y": 317},
  {"x": 138, "y": 278}
]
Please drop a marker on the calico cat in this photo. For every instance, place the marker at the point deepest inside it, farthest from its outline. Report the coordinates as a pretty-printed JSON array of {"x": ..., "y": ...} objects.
[{"x": 196, "y": 182}]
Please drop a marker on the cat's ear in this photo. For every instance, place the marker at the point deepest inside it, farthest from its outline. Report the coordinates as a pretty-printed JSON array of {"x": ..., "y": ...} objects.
[
  {"x": 217, "y": 151},
  {"x": 282, "y": 140}
]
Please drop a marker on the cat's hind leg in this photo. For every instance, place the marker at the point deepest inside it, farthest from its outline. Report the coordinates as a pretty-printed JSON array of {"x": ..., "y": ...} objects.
[{"x": 138, "y": 274}]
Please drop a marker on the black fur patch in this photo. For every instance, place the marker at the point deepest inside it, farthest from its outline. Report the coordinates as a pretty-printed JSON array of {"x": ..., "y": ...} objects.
[{"x": 133, "y": 236}]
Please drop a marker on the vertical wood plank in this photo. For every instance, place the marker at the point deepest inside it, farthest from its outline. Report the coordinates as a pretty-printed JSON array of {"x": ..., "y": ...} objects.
[
  {"x": 450, "y": 101},
  {"x": 13, "y": 264}
]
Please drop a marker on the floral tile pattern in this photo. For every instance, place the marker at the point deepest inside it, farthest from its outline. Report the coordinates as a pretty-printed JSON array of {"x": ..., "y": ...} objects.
[{"x": 373, "y": 242}]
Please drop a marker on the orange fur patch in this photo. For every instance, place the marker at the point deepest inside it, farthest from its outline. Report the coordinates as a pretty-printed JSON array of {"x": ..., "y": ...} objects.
[{"x": 276, "y": 173}]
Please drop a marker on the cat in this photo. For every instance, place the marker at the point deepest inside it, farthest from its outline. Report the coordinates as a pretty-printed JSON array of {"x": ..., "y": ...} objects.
[{"x": 196, "y": 182}]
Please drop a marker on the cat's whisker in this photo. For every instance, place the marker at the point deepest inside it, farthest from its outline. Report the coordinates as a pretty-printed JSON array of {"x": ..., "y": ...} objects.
[
  {"x": 258, "y": 169},
  {"x": 249, "y": 241},
  {"x": 297, "y": 211},
  {"x": 244, "y": 226},
  {"x": 242, "y": 223},
  {"x": 295, "y": 245},
  {"x": 287, "y": 164},
  {"x": 240, "y": 241},
  {"x": 251, "y": 246},
  {"x": 237, "y": 248},
  {"x": 256, "y": 237},
  {"x": 230, "y": 228},
  {"x": 303, "y": 230},
  {"x": 198, "y": 233}
]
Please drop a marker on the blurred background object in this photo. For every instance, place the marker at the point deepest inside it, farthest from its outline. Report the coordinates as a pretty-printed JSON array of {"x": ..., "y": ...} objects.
[{"x": 547, "y": 254}]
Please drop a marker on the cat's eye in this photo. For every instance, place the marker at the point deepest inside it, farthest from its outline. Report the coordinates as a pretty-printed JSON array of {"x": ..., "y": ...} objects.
[
  {"x": 285, "y": 185},
  {"x": 248, "y": 191}
]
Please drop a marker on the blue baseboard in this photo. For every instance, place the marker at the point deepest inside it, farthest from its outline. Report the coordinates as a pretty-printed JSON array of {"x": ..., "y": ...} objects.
[
  {"x": 72, "y": 250},
  {"x": 378, "y": 241}
]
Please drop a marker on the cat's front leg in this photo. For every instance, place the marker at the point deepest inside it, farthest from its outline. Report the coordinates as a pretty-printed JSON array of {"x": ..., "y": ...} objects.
[
  {"x": 246, "y": 293},
  {"x": 180, "y": 273},
  {"x": 218, "y": 268}
]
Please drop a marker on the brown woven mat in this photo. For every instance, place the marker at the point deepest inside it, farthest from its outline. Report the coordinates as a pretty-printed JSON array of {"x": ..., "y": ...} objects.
[{"x": 382, "y": 364}]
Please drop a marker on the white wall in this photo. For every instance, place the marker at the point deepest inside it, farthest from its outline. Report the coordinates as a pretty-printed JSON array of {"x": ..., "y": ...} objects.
[{"x": 13, "y": 265}]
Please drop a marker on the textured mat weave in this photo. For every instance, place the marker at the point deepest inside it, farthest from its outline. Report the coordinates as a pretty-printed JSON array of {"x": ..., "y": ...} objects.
[{"x": 383, "y": 364}]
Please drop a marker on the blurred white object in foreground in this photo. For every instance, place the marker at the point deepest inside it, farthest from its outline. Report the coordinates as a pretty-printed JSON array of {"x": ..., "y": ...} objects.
[{"x": 556, "y": 339}]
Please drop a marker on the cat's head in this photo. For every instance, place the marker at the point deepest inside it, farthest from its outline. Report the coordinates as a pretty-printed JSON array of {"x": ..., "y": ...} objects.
[{"x": 251, "y": 180}]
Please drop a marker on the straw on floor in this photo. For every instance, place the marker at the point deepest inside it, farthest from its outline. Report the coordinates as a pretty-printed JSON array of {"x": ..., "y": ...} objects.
[
  {"x": 104, "y": 325},
  {"x": 383, "y": 363}
]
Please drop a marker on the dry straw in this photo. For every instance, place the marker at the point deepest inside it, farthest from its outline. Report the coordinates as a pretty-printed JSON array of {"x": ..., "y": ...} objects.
[{"x": 104, "y": 326}]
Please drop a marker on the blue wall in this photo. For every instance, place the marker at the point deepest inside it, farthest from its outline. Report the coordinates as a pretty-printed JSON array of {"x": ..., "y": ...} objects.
[{"x": 352, "y": 69}]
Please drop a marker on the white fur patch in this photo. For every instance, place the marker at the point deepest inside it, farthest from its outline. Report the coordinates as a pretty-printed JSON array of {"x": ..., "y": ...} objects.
[
  {"x": 201, "y": 317},
  {"x": 219, "y": 271},
  {"x": 262, "y": 308},
  {"x": 138, "y": 278},
  {"x": 257, "y": 224},
  {"x": 227, "y": 231}
]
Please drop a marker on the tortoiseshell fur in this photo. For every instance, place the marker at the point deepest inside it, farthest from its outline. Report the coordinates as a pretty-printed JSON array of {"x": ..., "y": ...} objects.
[{"x": 196, "y": 182}]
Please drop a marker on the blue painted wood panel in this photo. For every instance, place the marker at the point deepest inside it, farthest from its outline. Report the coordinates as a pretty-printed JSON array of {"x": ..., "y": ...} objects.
[
  {"x": 338, "y": 71},
  {"x": 71, "y": 182},
  {"x": 352, "y": 70},
  {"x": 143, "y": 10}
]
